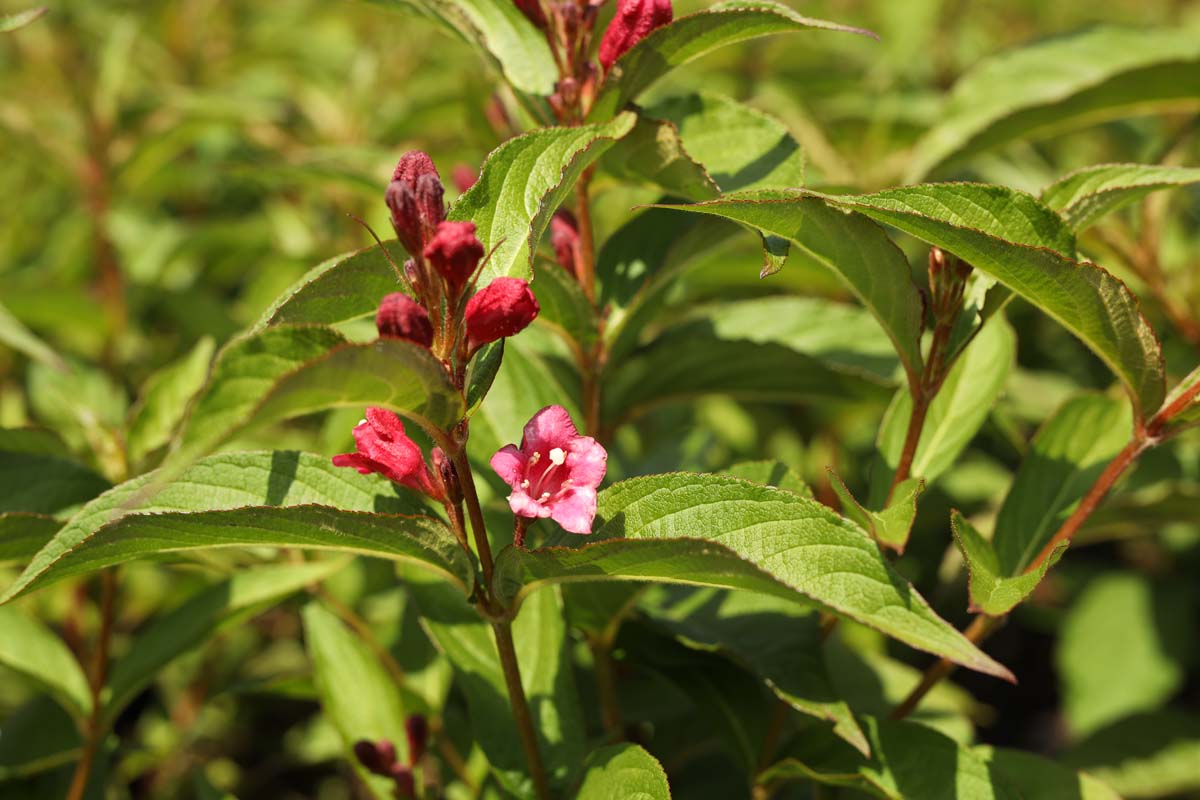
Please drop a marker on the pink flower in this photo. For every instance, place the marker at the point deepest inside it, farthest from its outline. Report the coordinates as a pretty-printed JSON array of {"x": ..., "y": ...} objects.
[
  {"x": 401, "y": 317},
  {"x": 555, "y": 472},
  {"x": 564, "y": 236},
  {"x": 455, "y": 252},
  {"x": 634, "y": 21},
  {"x": 384, "y": 448},
  {"x": 504, "y": 308}
]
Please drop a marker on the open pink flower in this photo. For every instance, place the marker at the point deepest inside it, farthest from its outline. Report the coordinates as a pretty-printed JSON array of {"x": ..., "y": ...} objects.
[
  {"x": 555, "y": 472},
  {"x": 384, "y": 448}
]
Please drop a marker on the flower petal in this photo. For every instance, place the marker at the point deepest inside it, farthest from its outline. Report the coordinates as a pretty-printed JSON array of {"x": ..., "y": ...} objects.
[
  {"x": 510, "y": 465},
  {"x": 525, "y": 506},
  {"x": 549, "y": 428},
  {"x": 588, "y": 461},
  {"x": 576, "y": 510}
]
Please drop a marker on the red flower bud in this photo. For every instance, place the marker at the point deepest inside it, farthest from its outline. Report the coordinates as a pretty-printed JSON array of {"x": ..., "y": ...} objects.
[
  {"x": 564, "y": 236},
  {"x": 405, "y": 786},
  {"x": 504, "y": 308},
  {"x": 533, "y": 10},
  {"x": 415, "y": 199},
  {"x": 401, "y": 317},
  {"x": 634, "y": 20},
  {"x": 417, "y": 729},
  {"x": 455, "y": 252},
  {"x": 377, "y": 757}
]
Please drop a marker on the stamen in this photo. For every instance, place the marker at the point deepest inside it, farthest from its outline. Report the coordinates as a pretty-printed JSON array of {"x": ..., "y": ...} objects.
[
  {"x": 535, "y": 458},
  {"x": 558, "y": 457},
  {"x": 525, "y": 483}
]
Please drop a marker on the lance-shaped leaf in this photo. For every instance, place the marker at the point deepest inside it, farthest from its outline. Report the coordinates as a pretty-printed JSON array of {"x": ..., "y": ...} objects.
[
  {"x": 12, "y": 22},
  {"x": 1085, "y": 299},
  {"x": 189, "y": 625},
  {"x": 343, "y": 288},
  {"x": 22, "y": 535},
  {"x": 1037, "y": 778},
  {"x": 14, "y": 334},
  {"x": 164, "y": 401},
  {"x": 707, "y": 530},
  {"x": 287, "y": 372},
  {"x": 39, "y": 736},
  {"x": 1095, "y": 74},
  {"x": 540, "y": 638},
  {"x": 1155, "y": 754},
  {"x": 623, "y": 770},
  {"x": 523, "y": 183},
  {"x": 779, "y": 640},
  {"x": 272, "y": 499},
  {"x": 31, "y": 649},
  {"x": 45, "y": 484},
  {"x": 499, "y": 29},
  {"x": 1183, "y": 403},
  {"x": 992, "y": 591},
  {"x": 565, "y": 306},
  {"x": 1086, "y": 195},
  {"x": 854, "y": 248},
  {"x": 1065, "y": 459},
  {"x": 890, "y": 527},
  {"x": 690, "y": 37},
  {"x": 654, "y": 152}
]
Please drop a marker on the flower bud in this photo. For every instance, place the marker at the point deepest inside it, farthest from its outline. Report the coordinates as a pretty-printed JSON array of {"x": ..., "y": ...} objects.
[
  {"x": 401, "y": 317},
  {"x": 533, "y": 10},
  {"x": 377, "y": 757},
  {"x": 405, "y": 784},
  {"x": 406, "y": 221},
  {"x": 415, "y": 199},
  {"x": 564, "y": 237},
  {"x": 455, "y": 252},
  {"x": 504, "y": 308},
  {"x": 430, "y": 204},
  {"x": 444, "y": 469},
  {"x": 634, "y": 20},
  {"x": 417, "y": 729}
]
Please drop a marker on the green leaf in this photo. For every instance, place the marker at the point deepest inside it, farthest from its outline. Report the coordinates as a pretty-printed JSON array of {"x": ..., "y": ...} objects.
[
  {"x": 623, "y": 770},
  {"x": 343, "y": 288},
  {"x": 481, "y": 373},
  {"x": 22, "y": 535},
  {"x": 1146, "y": 755},
  {"x": 779, "y": 640},
  {"x": 766, "y": 155},
  {"x": 1082, "y": 297},
  {"x": 357, "y": 694},
  {"x": 164, "y": 401},
  {"x": 499, "y": 29},
  {"x": 286, "y": 372},
  {"x": 655, "y": 152},
  {"x": 273, "y": 499},
  {"x": 565, "y": 306},
  {"x": 693, "y": 36},
  {"x": 82, "y": 404},
  {"x": 956, "y": 414},
  {"x": 1095, "y": 74},
  {"x": 12, "y": 332},
  {"x": 41, "y": 484},
  {"x": 12, "y": 22},
  {"x": 706, "y": 530},
  {"x": 890, "y": 527},
  {"x": 31, "y": 649},
  {"x": 771, "y": 473},
  {"x": 1188, "y": 414},
  {"x": 1086, "y": 195},
  {"x": 1064, "y": 460},
  {"x": 1037, "y": 778},
  {"x": 852, "y": 247},
  {"x": 1123, "y": 648},
  {"x": 689, "y": 361},
  {"x": 540, "y": 636},
  {"x": 39, "y": 737},
  {"x": 907, "y": 761},
  {"x": 189, "y": 625},
  {"x": 522, "y": 184},
  {"x": 992, "y": 591}
]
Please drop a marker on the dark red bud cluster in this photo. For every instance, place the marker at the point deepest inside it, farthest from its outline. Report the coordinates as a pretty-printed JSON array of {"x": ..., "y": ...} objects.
[
  {"x": 379, "y": 758},
  {"x": 415, "y": 198},
  {"x": 401, "y": 317},
  {"x": 947, "y": 284},
  {"x": 634, "y": 21},
  {"x": 455, "y": 252}
]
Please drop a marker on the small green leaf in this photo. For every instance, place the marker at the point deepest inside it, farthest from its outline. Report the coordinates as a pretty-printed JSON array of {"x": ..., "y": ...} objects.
[
  {"x": 891, "y": 526},
  {"x": 766, "y": 155},
  {"x": 481, "y": 373},
  {"x": 1037, "y": 778},
  {"x": 12, "y": 22},
  {"x": 1187, "y": 415},
  {"x": 31, "y": 649},
  {"x": 343, "y": 288},
  {"x": 523, "y": 183},
  {"x": 565, "y": 306},
  {"x": 695, "y": 35},
  {"x": 992, "y": 592},
  {"x": 357, "y": 694},
  {"x": 705, "y": 530},
  {"x": 1145, "y": 755},
  {"x": 625, "y": 771},
  {"x": 230, "y": 500},
  {"x": 164, "y": 401},
  {"x": 1086, "y": 195},
  {"x": 1099, "y": 73},
  {"x": 1086, "y": 300},
  {"x": 13, "y": 333},
  {"x": 779, "y": 640},
  {"x": 22, "y": 535},
  {"x": 655, "y": 152},
  {"x": 1065, "y": 459},
  {"x": 189, "y": 625}
]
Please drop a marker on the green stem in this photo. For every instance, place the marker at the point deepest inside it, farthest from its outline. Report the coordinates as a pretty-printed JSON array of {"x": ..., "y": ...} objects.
[
  {"x": 520, "y": 708},
  {"x": 95, "y": 728}
]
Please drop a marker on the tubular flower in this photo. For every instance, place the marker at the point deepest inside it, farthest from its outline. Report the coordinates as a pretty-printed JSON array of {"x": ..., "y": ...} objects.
[
  {"x": 634, "y": 21},
  {"x": 564, "y": 236},
  {"x": 401, "y": 317},
  {"x": 504, "y": 308},
  {"x": 455, "y": 252},
  {"x": 384, "y": 448},
  {"x": 555, "y": 472},
  {"x": 415, "y": 198}
]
